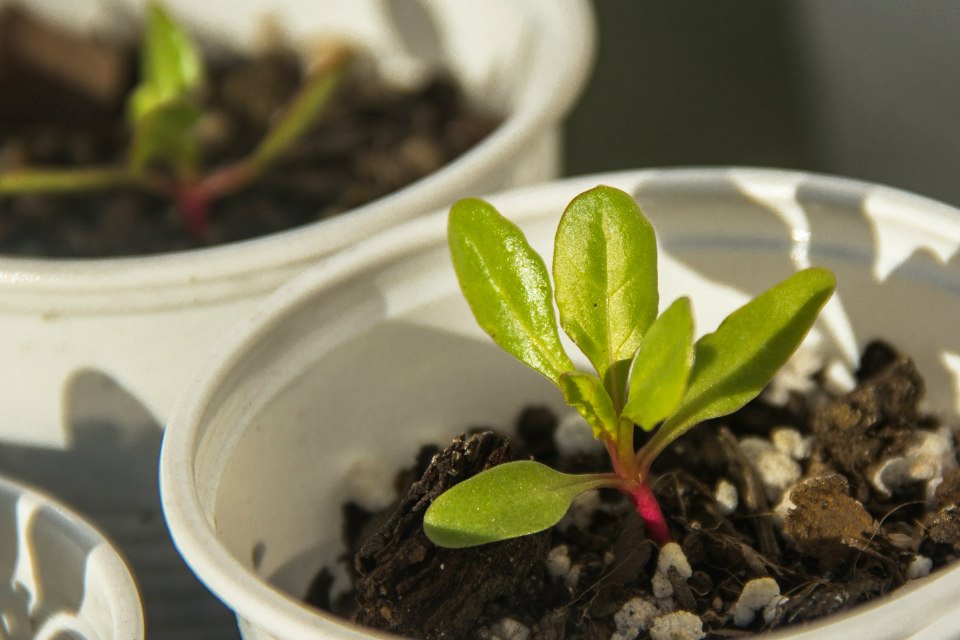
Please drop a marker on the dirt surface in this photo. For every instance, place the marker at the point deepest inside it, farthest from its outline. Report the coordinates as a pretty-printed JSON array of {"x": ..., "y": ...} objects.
[
  {"x": 835, "y": 540},
  {"x": 371, "y": 140}
]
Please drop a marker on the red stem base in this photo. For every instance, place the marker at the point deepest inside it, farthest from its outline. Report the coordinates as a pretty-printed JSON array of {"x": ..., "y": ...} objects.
[
  {"x": 649, "y": 509},
  {"x": 194, "y": 204}
]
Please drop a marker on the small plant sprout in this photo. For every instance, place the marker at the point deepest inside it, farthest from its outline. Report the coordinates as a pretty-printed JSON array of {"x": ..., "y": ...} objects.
[
  {"x": 162, "y": 111},
  {"x": 649, "y": 372}
]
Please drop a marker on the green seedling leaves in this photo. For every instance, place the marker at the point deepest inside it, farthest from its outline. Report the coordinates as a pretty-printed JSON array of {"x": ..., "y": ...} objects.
[
  {"x": 661, "y": 368},
  {"x": 506, "y": 501},
  {"x": 586, "y": 394},
  {"x": 605, "y": 271},
  {"x": 506, "y": 284},
  {"x": 170, "y": 65},
  {"x": 163, "y": 135},
  {"x": 734, "y": 363},
  {"x": 163, "y": 108},
  {"x": 652, "y": 373}
]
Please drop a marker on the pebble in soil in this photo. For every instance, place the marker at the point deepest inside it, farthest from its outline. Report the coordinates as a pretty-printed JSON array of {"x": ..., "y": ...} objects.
[{"x": 736, "y": 566}]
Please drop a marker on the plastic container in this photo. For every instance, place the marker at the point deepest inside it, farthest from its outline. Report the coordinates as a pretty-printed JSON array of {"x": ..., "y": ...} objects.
[
  {"x": 94, "y": 351},
  {"x": 59, "y": 577},
  {"x": 375, "y": 353},
  {"x": 144, "y": 322}
]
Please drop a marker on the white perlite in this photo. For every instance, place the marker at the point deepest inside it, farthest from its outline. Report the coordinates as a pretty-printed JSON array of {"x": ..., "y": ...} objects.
[
  {"x": 797, "y": 374},
  {"x": 369, "y": 483},
  {"x": 726, "y": 496},
  {"x": 926, "y": 460},
  {"x": 509, "y": 629},
  {"x": 581, "y": 510},
  {"x": 558, "y": 562},
  {"x": 671, "y": 556},
  {"x": 776, "y": 469},
  {"x": 634, "y": 616},
  {"x": 572, "y": 579},
  {"x": 792, "y": 442},
  {"x": 838, "y": 379},
  {"x": 678, "y": 625},
  {"x": 783, "y": 507},
  {"x": 757, "y": 594},
  {"x": 574, "y": 435},
  {"x": 919, "y": 567}
]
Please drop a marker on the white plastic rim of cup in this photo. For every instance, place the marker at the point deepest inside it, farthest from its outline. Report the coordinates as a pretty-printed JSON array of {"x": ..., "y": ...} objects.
[
  {"x": 59, "y": 576},
  {"x": 375, "y": 353},
  {"x": 144, "y": 321}
]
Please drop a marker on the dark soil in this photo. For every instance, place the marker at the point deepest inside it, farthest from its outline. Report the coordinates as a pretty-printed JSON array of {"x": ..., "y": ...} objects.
[
  {"x": 842, "y": 543},
  {"x": 61, "y": 104}
]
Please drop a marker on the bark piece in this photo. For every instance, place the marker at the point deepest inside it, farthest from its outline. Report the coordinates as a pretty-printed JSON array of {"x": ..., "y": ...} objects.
[
  {"x": 410, "y": 587},
  {"x": 752, "y": 494}
]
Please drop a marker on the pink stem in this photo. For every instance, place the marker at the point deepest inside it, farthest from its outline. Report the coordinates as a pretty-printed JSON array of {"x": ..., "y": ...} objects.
[
  {"x": 195, "y": 205},
  {"x": 646, "y": 505},
  {"x": 195, "y": 198}
]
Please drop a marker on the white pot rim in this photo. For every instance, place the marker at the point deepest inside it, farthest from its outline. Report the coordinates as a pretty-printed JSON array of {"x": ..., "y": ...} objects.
[
  {"x": 126, "y": 606},
  {"x": 265, "y": 606},
  {"x": 571, "y": 31}
]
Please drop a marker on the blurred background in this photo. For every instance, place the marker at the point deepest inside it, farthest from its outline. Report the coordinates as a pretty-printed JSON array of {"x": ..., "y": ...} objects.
[{"x": 859, "y": 88}]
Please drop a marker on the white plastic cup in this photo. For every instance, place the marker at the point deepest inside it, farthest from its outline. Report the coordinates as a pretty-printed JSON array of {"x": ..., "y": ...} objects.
[
  {"x": 145, "y": 322},
  {"x": 59, "y": 576},
  {"x": 93, "y": 352},
  {"x": 375, "y": 353}
]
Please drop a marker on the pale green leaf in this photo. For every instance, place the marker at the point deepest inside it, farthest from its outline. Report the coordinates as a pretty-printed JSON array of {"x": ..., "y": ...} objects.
[
  {"x": 733, "y": 364},
  {"x": 302, "y": 112},
  {"x": 605, "y": 272},
  {"x": 586, "y": 394},
  {"x": 661, "y": 368},
  {"x": 163, "y": 107},
  {"x": 170, "y": 65},
  {"x": 506, "y": 501},
  {"x": 164, "y": 135},
  {"x": 71, "y": 180},
  {"x": 506, "y": 284}
]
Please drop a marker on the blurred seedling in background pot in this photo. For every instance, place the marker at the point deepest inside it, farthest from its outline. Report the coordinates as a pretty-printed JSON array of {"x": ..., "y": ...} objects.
[
  {"x": 163, "y": 111},
  {"x": 649, "y": 371}
]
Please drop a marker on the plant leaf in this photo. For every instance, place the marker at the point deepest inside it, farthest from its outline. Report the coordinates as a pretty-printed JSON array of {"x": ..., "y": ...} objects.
[
  {"x": 304, "y": 108},
  {"x": 605, "y": 272},
  {"x": 163, "y": 135},
  {"x": 586, "y": 394},
  {"x": 70, "y": 180},
  {"x": 506, "y": 501},
  {"x": 163, "y": 108},
  {"x": 170, "y": 65},
  {"x": 661, "y": 368},
  {"x": 506, "y": 284},
  {"x": 733, "y": 364}
]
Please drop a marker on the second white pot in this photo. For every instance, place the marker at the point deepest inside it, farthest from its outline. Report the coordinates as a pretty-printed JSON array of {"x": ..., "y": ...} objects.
[{"x": 143, "y": 322}]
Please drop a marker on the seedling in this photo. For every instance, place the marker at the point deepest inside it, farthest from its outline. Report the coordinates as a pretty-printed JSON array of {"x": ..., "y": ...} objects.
[
  {"x": 649, "y": 371},
  {"x": 162, "y": 111}
]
